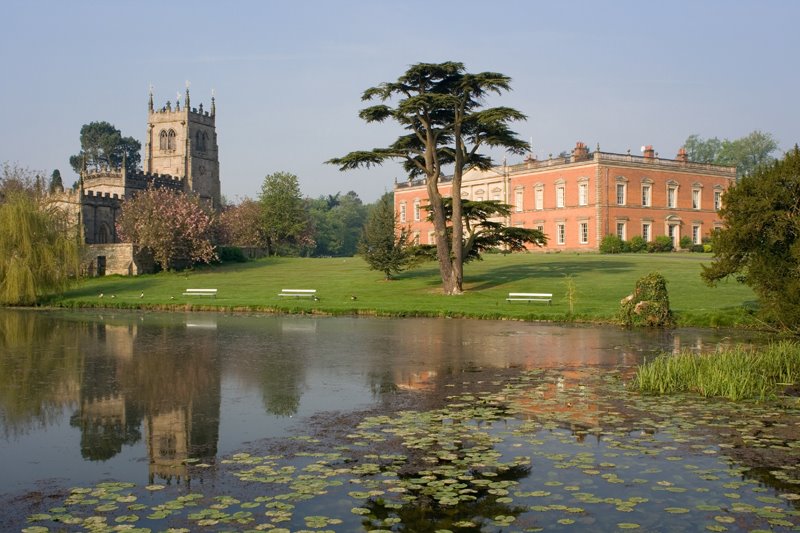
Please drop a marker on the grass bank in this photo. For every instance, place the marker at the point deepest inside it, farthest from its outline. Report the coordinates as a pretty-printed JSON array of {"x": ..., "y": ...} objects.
[
  {"x": 737, "y": 374},
  {"x": 347, "y": 286}
]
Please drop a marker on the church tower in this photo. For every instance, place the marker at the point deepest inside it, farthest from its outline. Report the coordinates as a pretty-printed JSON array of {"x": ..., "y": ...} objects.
[{"x": 182, "y": 142}]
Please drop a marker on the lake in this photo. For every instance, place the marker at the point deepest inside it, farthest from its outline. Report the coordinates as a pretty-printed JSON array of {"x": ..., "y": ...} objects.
[{"x": 292, "y": 423}]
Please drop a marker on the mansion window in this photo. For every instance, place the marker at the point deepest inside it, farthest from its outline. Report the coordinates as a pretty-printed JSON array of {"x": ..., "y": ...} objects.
[
  {"x": 416, "y": 238},
  {"x": 561, "y": 233},
  {"x": 621, "y": 230},
  {"x": 647, "y": 195},
  {"x": 717, "y": 200},
  {"x": 620, "y": 194},
  {"x": 560, "y": 196},
  {"x": 695, "y": 198},
  {"x": 584, "y": 232},
  {"x": 697, "y": 235},
  {"x": 518, "y": 200},
  {"x": 583, "y": 194},
  {"x": 403, "y": 212},
  {"x": 672, "y": 196},
  {"x": 646, "y": 233},
  {"x": 539, "y": 198},
  {"x": 416, "y": 210},
  {"x": 431, "y": 237}
]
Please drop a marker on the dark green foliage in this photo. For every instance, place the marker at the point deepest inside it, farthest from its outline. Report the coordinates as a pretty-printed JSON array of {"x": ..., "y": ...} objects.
[
  {"x": 482, "y": 234},
  {"x": 231, "y": 254},
  {"x": 102, "y": 145},
  {"x": 612, "y": 244},
  {"x": 56, "y": 185},
  {"x": 698, "y": 248},
  {"x": 338, "y": 222},
  {"x": 284, "y": 215},
  {"x": 760, "y": 242},
  {"x": 648, "y": 305},
  {"x": 637, "y": 244},
  {"x": 441, "y": 108},
  {"x": 662, "y": 243},
  {"x": 384, "y": 246},
  {"x": 686, "y": 242}
]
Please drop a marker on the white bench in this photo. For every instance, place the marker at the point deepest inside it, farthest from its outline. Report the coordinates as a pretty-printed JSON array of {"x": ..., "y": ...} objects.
[
  {"x": 530, "y": 297},
  {"x": 300, "y": 293},
  {"x": 201, "y": 292}
]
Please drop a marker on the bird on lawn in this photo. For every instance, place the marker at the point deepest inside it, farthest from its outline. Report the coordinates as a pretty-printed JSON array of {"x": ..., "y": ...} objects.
[
  {"x": 113, "y": 295},
  {"x": 141, "y": 295},
  {"x": 100, "y": 295}
]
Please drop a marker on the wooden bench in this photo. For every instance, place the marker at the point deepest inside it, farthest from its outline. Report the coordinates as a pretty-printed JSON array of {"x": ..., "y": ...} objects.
[
  {"x": 201, "y": 292},
  {"x": 530, "y": 297},
  {"x": 300, "y": 293}
]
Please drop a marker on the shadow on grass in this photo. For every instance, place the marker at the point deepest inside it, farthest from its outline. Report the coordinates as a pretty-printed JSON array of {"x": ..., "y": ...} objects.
[{"x": 538, "y": 271}]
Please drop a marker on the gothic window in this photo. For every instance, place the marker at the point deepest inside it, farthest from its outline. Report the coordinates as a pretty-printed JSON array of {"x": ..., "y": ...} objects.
[
  {"x": 162, "y": 140},
  {"x": 199, "y": 141},
  {"x": 104, "y": 234},
  {"x": 171, "y": 144}
]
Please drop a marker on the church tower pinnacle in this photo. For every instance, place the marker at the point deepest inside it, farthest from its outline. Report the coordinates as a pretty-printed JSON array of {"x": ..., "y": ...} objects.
[{"x": 182, "y": 142}]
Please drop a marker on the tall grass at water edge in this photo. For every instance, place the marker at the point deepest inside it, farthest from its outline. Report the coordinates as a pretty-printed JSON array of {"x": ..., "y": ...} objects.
[{"x": 737, "y": 374}]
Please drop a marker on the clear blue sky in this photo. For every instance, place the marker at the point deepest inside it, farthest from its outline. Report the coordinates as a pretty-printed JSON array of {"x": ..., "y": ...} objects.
[{"x": 289, "y": 75}]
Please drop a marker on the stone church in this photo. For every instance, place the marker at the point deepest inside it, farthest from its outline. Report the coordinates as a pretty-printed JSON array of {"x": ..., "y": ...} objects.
[{"x": 180, "y": 153}]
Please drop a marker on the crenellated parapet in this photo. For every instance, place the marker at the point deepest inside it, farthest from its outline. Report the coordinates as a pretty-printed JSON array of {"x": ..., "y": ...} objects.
[{"x": 143, "y": 180}]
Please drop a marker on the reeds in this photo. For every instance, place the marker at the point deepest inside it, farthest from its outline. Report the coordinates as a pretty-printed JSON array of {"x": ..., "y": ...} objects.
[{"x": 737, "y": 374}]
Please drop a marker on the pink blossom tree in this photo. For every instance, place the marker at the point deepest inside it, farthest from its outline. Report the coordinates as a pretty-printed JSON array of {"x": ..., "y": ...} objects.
[
  {"x": 242, "y": 225},
  {"x": 175, "y": 227}
]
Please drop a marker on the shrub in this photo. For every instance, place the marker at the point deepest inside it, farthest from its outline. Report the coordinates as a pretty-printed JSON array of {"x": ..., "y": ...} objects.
[
  {"x": 698, "y": 248},
  {"x": 707, "y": 248},
  {"x": 648, "y": 305},
  {"x": 637, "y": 244},
  {"x": 612, "y": 244},
  {"x": 662, "y": 243},
  {"x": 231, "y": 254},
  {"x": 686, "y": 242}
]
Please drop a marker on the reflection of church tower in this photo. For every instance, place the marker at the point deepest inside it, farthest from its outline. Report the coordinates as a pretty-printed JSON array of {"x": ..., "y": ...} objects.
[{"x": 182, "y": 142}]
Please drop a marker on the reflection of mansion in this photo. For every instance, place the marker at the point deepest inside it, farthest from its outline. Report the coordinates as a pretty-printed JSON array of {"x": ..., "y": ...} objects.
[
  {"x": 578, "y": 200},
  {"x": 180, "y": 153}
]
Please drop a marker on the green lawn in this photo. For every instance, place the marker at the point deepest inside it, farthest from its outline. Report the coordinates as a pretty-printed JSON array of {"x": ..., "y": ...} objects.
[{"x": 600, "y": 282}]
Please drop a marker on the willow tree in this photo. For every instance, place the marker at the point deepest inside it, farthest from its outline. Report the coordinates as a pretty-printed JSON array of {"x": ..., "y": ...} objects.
[
  {"x": 442, "y": 109},
  {"x": 38, "y": 255}
]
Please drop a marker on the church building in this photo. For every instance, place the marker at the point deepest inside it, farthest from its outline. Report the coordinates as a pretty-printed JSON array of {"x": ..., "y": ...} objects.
[{"x": 180, "y": 153}]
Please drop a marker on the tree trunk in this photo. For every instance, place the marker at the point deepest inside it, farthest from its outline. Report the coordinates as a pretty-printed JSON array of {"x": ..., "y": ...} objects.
[{"x": 450, "y": 284}]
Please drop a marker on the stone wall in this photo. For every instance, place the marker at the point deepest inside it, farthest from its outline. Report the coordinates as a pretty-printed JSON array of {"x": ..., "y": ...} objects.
[{"x": 120, "y": 258}]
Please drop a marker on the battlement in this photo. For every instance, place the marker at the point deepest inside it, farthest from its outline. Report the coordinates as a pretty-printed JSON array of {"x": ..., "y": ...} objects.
[{"x": 97, "y": 194}]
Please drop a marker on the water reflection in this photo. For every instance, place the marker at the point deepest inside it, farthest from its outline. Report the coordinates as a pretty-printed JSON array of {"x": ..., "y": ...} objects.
[{"x": 114, "y": 389}]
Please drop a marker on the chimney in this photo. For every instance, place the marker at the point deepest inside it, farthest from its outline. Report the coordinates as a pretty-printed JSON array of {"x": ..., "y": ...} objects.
[
  {"x": 580, "y": 152},
  {"x": 682, "y": 156},
  {"x": 649, "y": 153}
]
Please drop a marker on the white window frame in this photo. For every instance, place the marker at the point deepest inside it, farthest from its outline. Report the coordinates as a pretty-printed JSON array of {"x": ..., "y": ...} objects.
[
  {"x": 672, "y": 196},
  {"x": 621, "y": 192},
  {"x": 583, "y": 193},
  {"x": 416, "y": 210},
  {"x": 583, "y": 232},
  {"x": 561, "y": 195},
  {"x": 647, "y": 195},
  {"x": 697, "y": 198},
  {"x": 402, "y": 212},
  {"x": 561, "y": 233},
  {"x": 519, "y": 195},
  {"x": 538, "y": 195},
  {"x": 647, "y": 231},
  {"x": 717, "y": 200},
  {"x": 697, "y": 234},
  {"x": 622, "y": 227}
]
